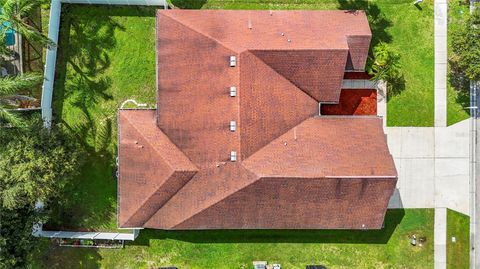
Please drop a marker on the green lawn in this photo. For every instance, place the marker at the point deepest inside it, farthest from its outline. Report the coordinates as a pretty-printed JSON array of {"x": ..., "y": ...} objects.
[
  {"x": 106, "y": 55},
  {"x": 457, "y": 96},
  {"x": 458, "y": 253},
  {"x": 386, "y": 248}
]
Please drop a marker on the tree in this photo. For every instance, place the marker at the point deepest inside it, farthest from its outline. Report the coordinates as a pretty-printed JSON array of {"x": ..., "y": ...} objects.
[
  {"x": 11, "y": 85},
  {"x": 14, "y": 16},
  {"x": 384, "y": 65},
  {"x": 16, "y": 241},
  {"x": 35, "y": 164},
  {"x": 465, "y": 59}
]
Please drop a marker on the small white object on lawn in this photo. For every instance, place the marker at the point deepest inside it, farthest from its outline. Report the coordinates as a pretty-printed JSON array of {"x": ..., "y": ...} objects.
[{"x": 454, "y": 240}]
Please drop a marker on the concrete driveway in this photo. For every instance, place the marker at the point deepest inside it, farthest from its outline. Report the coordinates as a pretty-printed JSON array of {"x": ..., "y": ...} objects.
[{"x": 433, "y": 166}]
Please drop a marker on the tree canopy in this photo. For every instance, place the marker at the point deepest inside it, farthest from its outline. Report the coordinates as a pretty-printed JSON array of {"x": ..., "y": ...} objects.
[
  {"x": 35, "y": 164},
  {"x": 384, "y": 65},
  {"x": 11, "y": 85},
  {"x": 465, "y": 59},
  {"x": 14, "y": 15}
]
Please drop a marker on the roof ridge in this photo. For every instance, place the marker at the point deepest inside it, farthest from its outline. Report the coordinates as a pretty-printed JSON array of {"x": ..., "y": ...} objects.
[
  {"x": 289, "y": 80},
  {"x": 167, "y": 162},
  {"x": 164, "y": 203},
  {"x": 257, "y": 178},
  {"x": 251, "y": 155},
  {"x": 158, "y": 153},
  {"x": 198, "y": 31},
  {"x": 144, "y": 203}
]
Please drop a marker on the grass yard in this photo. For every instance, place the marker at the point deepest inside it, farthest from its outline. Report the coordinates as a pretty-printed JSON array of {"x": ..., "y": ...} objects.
[
  {"x": 386, "y": 248},
  {"x": 457, "y": 95},
  {"x": 106, "y": 55},
  {"x": 458, "y": 253}
]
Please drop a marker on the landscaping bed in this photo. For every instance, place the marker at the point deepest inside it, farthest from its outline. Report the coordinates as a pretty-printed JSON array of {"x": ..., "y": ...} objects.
[{"x": 353, "y": 102}]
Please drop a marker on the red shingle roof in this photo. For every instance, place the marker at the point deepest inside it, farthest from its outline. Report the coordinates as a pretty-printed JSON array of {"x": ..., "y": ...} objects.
[{"x": 312, "y": 172}]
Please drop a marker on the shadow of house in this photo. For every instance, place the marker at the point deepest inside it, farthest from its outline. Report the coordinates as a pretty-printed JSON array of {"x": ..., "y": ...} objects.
[{"x": 382, "y": 236}]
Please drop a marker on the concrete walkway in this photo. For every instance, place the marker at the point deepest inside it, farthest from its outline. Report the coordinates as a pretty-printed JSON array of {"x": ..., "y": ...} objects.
[
  {"x": 440, "y": 238},
  {"x": 440, "y": 83},
  {"x": 445, "y": 169}
]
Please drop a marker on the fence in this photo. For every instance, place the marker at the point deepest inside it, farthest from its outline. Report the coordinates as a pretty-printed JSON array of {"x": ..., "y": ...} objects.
[
  {"x": 53, "y": 29},
  {"x": 39, "y": 232},
  {"x": 47, "y": 95}
]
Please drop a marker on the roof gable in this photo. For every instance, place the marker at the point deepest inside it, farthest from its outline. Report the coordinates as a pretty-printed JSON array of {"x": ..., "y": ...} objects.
[
  {"x": 319, "y": 73},
  {"x": 270, "y": 105},
  {"x": 149, "y": 164}
]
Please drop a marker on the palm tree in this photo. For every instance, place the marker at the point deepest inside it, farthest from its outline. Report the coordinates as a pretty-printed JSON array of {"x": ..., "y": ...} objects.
[
  {"x": 14, "y": 15},
  {"x": 11, "y": 85}
]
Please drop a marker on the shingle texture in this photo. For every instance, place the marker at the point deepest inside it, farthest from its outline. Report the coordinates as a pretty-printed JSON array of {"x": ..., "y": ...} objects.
[{"x": 294, "y": 169}]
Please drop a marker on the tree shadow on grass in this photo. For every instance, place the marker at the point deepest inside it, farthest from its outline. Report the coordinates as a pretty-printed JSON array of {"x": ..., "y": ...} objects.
[
  {"x": 392, "y": 220},
  {"x": 188, "y": 4},
  {"x": 66, "y": 257},
  {"x": 460, "y": 84},
  {"x": 379, "y": 23},
  {"x": 82, "y": 87}
]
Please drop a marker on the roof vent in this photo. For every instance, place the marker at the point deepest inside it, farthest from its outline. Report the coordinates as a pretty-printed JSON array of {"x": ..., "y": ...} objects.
[
  {"x": 233, "y": 91},
  {"x": 233, "y": 126},
  {"x": 233, "y": 61},
  {"x": 233, "y": 156}
]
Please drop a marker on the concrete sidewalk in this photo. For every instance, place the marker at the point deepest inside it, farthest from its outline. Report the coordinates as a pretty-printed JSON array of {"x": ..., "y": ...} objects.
[
  {"x": 440, "y": 238},
  {"x": 440, "y": 82}
]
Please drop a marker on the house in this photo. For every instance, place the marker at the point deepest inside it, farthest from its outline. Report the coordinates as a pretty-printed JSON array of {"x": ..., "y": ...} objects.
[{"x": 236, "y": 140}]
